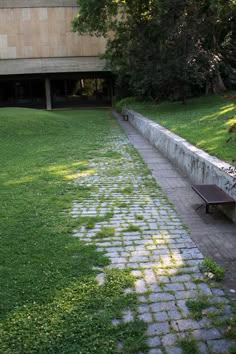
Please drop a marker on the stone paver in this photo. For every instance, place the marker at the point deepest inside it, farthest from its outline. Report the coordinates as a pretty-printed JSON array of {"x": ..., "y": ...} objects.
[
  {"x": 149, "y": 238},
  {"x": 206, "y": 229}
]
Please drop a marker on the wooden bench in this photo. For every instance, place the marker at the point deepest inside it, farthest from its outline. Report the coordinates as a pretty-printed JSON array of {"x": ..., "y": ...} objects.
[{"x": 212, "y": 195}]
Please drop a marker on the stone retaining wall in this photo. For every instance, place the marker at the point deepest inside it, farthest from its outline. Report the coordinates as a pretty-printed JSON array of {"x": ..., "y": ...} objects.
[{"x": 200, "y": 167}]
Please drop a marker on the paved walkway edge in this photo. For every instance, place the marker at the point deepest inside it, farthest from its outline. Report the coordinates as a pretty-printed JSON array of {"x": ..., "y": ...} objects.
[{"x": 213, "y": 233}]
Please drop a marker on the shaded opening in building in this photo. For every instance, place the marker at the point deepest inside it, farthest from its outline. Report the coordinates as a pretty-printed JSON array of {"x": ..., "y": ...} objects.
[{"x": 67, "y": 90}]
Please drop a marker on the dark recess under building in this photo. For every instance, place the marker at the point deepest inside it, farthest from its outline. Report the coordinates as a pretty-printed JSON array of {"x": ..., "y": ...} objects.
[{"x": 43, "y": 64}]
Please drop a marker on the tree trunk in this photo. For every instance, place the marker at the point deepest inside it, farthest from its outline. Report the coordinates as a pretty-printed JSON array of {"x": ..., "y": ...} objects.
[
  {"x": 208, "y": 88},
  {"x": 218, "y": 84}
]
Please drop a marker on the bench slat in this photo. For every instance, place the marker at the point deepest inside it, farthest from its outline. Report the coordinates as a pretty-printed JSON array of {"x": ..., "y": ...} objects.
[{"x": 212, "y": 194}]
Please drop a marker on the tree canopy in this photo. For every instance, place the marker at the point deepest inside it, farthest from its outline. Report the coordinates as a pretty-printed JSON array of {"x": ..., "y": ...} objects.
[{"x": 162, "y": 48}]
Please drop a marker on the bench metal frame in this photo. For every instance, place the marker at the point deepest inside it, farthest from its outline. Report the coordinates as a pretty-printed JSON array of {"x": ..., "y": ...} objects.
[{"x": 212, "y": 195}]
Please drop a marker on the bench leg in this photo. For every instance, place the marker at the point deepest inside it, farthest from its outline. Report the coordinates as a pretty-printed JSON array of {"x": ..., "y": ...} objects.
[{"x": 199, "y": 207}]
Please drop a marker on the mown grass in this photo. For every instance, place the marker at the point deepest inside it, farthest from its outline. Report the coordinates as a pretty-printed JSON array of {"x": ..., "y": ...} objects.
[
  {"x": 50, "y": 301},
  {"x": 203, "y": 122}
]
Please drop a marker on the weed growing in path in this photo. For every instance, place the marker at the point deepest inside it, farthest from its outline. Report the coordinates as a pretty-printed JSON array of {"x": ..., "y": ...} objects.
[
  {"x": 132, "y": 228},
  {"x": 127, "y": 190},
  {"x": 212, "y": 270},
  {"x": 106, "y": 231},
  {"x": 197, "y": 306},
  {"x": 139, "y": 217},
  {"x": 90, "y": 221},
  {"x": 188, "y": 345}
]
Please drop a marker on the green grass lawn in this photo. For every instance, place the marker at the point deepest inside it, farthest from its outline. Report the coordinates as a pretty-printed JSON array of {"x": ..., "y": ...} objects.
[
  {"x": 50, "y": 301},
  {"x": 203, "y": 122}
]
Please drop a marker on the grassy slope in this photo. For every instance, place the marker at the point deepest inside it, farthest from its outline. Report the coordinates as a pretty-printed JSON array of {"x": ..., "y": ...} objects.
[
  {"x": 202, "y": 121},
  {"x": 49, "y": 299}
]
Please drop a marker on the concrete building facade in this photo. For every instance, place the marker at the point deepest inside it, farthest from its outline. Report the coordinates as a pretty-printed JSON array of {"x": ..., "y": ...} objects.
[{"x": 43, "y": 63}]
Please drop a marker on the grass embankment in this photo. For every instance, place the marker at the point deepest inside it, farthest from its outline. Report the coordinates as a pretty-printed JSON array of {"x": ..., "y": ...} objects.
[
  {"x": 50, "y": 301},
  {"x": 204, "y": 122}
]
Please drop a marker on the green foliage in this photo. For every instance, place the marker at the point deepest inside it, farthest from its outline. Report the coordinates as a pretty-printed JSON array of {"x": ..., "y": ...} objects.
[
  {"x": 232, "y": 349},
  {"x": 106, "y": 231},
  {"x": 165, "y": 49},
  {"x": 125, "y": 103},
  {"x": 127, "y": 190},
  {"x": 231, "y": 329},
  {"x": 90, "y": 221},
  {"x": 50, "y": 301},
  {"x": 197, "y": 306},
  {"x": 139, "y": 217},
  {"x": 188, "y": 345},
  {"x": 122, "y": 205},
  {"x": 133, "y": 228},
  {"x": 203, "y": 122},
  {"x": 212, "y": 270},
  {"x": 111, "y": 154}
]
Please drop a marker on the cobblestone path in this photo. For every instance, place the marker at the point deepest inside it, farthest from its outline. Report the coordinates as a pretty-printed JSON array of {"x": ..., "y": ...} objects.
[{"x": 138, "y": 228}]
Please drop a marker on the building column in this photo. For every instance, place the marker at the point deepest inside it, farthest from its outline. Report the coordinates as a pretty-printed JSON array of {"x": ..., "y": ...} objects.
[{"x": 48, "y": 94}]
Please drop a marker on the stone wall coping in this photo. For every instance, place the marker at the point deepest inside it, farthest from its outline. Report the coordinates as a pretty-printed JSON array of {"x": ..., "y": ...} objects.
[
  {"x": 179, "y": 140},
  {"x": 198, "y": 165}
]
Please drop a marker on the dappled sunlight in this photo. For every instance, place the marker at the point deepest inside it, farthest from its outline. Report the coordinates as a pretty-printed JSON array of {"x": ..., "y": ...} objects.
[
  {"x": 230, "y": 122},
  {"x": 223, "y": 110},
  {"x": 22, "y": 180},
  {"x": 69, "y": 171},
  {"x": 206, "y": 117},
  {"x": 227, "y": 108},
  {"x": 58, "y": 167},
  {"x": 212, "y": 147},
  {"x": 78, "y": 175},
  {"x": 193, "y": 148},
  {"x": 217, "y": 138}
]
